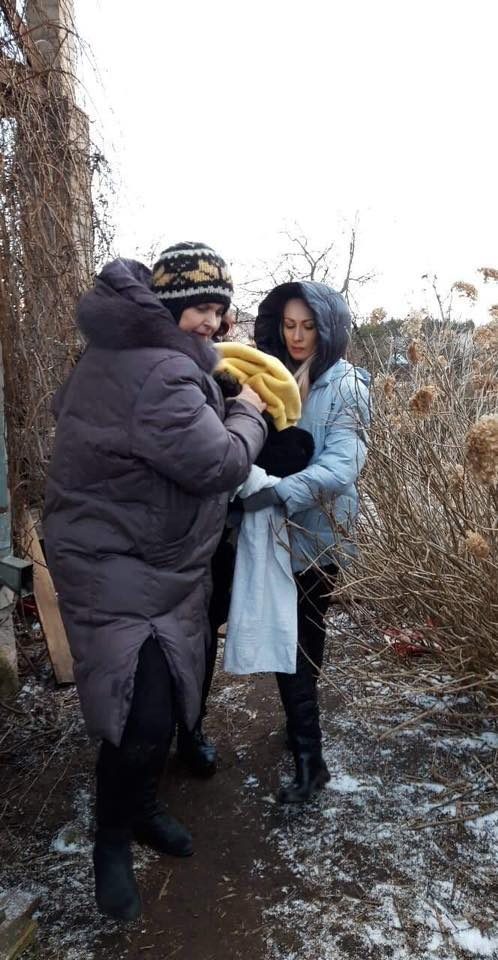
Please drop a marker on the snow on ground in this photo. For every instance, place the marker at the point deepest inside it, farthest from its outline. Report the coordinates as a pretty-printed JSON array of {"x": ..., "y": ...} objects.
[
  {"x": 398, "y": 857},
  {"x": 61, "y": 878},
  {"x": 57, "y": 869}
]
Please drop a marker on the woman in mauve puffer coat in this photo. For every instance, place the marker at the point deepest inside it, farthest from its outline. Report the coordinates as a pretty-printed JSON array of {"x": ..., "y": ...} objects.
[{"x": 144, "y": 458}]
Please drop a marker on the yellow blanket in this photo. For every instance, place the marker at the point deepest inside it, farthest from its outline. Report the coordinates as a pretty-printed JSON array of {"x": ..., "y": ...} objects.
[{"x": 267, "y": 376}]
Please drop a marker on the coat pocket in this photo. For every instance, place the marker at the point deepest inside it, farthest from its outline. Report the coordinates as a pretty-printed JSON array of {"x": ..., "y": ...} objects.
[{"x": 171, "y": 533}]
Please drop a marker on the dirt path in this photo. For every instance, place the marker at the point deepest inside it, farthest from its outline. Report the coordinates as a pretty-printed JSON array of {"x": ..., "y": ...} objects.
[
  {"x": 396, "y": 860},
  {"x": 211, "y": 906}
]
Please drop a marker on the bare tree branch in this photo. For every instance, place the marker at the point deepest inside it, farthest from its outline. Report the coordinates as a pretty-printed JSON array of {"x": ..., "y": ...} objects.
[
  {"x": 347, "y": 279},
  {"x": 445, "y": 314},
  {"x": 302, "y": 261}
]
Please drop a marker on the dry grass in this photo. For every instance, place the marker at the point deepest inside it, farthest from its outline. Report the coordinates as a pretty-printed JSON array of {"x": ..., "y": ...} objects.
[{"x": 425, "y": 583}]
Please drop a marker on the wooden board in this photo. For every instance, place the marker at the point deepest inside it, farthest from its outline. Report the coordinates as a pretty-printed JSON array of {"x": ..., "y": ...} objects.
[
  {"x": 16, "y": 937},
  {"x": 48, "y": 607},
  {"x": 17, "y": 928}
]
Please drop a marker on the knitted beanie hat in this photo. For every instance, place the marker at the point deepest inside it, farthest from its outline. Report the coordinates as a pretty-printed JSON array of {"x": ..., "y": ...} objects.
[{"x": 187, "y": 274}]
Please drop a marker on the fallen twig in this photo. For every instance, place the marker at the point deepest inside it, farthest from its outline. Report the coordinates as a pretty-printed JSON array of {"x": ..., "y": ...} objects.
[
  {"x": 164, "y": 888},
  {"x": 10, "y": 709},
  {"x": 450, "y": 820},
  {"x": 409, "y": 722}
]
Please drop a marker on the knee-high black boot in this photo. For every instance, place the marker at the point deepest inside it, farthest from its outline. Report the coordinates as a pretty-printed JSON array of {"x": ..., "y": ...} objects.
[
  {"x": 116, "y": 890},
  {"x": 127, "y": 809},
  {"x": 148, "y": 737},
  {"x": 299, "y": 692},
  {"x": 300, "y": 700},
  {"x": 127, "y": 779}
]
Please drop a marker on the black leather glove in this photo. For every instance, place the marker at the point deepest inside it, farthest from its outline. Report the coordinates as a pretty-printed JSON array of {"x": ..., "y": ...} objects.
[{"x": 267, "y": 497}]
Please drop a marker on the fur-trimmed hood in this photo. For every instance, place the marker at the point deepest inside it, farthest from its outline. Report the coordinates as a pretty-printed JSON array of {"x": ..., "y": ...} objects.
[
  {"x": 122, "y": 313},
  {"x": 332, "y": 317}
]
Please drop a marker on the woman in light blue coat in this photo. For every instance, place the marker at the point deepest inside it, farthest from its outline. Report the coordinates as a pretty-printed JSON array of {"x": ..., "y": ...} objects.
[{"x": 307, "y": 325}]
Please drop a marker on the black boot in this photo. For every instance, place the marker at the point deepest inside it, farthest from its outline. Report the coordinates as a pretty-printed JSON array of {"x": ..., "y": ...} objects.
[
  {"x": 300, "y": 700},
  {"x": 116, "y": 890},
  {"x": 196, "y": 752},
  {"x": 163, "y": 833},
  {"x": 311, "y": 773},
  {"x": 289, "y": 737},
  {"x": 153, "y": 827}
]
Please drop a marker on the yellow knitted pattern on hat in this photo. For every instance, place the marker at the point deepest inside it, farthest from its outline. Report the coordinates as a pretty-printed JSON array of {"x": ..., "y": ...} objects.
[{"x": 267, "y": 376}]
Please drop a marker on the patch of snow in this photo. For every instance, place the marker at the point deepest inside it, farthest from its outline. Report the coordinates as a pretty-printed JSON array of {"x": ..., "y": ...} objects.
[
  {"x": 70, "y": 839},
  {"x": 474, "y": 941},
  {"x": 251, "y": 781},
  {"x": 435, "y": 942},
  {"x": 420, "y": 785},
  {"x": 488, "y": 739},
  {"x": 372, "y": 881},
  {"x": 346, "y": 784},
  {"x": 258, "y": 868},
  {"x": 486, "y": 827},
  {"x": 16, "y": 901}
]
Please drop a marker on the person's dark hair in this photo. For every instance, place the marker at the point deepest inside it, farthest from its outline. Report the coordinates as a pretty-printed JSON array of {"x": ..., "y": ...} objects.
[{"x": 332, "y": 318}]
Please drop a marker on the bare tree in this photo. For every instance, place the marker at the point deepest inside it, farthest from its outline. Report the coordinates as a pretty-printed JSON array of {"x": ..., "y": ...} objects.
[
  {"x": 466, "y": 293},
  {"x": 302, "y": 260}
]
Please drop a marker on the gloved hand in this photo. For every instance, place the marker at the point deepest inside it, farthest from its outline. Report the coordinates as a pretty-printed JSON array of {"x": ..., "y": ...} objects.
[
  {"x": 267, "y": 497},
  {"x": 235, "y": 514}
]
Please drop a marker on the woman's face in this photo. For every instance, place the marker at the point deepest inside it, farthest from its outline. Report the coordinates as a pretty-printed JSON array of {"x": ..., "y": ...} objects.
[
  {"x": 299, "y": 330},
  {"x": 204, "y": 319}
]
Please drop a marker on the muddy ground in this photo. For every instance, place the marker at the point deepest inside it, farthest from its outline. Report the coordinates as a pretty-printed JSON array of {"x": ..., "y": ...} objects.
[{"x": 396, "y": 859}]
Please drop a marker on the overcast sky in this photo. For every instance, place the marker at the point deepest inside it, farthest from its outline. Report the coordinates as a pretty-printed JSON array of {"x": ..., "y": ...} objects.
[{"x": 226, "y": 120}]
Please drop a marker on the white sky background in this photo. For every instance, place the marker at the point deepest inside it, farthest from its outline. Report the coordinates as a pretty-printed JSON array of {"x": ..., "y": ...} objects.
[{"x": 226, "y": 120}]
